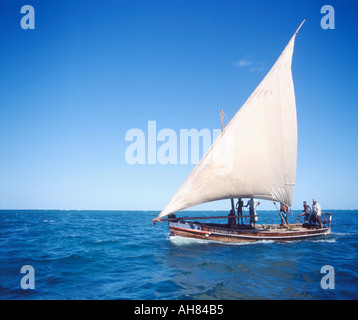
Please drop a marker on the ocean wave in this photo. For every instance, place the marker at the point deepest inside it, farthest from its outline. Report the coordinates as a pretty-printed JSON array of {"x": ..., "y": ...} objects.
[
  {"x": 182, "y": 241},
  {"x": 342, "y": 234},
  {"x": 217, "y": 291},
  {"x": 324, "y": 240}
]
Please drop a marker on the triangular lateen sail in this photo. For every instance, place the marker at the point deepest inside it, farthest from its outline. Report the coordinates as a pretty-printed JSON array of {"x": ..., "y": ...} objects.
[{"x": 255, "y": 155}]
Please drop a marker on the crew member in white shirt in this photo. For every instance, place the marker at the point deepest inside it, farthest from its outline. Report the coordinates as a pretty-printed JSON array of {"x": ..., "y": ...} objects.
[{"x": 316, "y": 210}]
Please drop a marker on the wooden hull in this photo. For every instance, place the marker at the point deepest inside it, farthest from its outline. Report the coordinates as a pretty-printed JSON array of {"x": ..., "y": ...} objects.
[{"x": 221, "y": 233}]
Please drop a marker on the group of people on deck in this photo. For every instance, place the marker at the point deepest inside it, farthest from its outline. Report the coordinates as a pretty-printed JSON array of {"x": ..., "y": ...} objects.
[
  {"x": 316, "y": 211},
  {"x": 311, "y": 215},
  {"x": 252, "y": 204}
]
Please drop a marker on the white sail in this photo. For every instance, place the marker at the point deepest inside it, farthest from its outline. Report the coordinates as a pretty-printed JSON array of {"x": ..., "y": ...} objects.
[{"x": 255, "y": 155}]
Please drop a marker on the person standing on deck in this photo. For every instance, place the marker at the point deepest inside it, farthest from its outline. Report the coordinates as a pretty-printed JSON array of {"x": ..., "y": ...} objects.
[
  {"x": 252, "y": 204},
  {"x": 239, "y": 206},
  {"x": 316, "y": 210},
  {"x": 283, "y": 211}
]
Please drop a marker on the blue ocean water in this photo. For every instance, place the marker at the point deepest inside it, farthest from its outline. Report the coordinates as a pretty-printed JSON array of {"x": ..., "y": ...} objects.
[{"x": 120, "y": 255}]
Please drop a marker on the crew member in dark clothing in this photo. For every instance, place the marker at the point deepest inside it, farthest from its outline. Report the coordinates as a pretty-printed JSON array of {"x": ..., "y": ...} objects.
[
  {"x": 305, "y": 212},
  {"x": 239, "y": 206}
]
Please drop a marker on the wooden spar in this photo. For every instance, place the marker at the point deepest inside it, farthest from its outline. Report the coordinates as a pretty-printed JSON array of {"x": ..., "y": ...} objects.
[
  {"x": 197, "y": 218},
  {"x": 292, "y": 214},
  {"x": 300, "y": 26},
  {"x": 222, "y": 119},
  {"x": 210, "y": 217}
]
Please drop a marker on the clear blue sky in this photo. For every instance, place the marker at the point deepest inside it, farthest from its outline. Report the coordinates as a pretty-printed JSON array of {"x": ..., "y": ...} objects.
[{"x": 91, "y": 70}]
